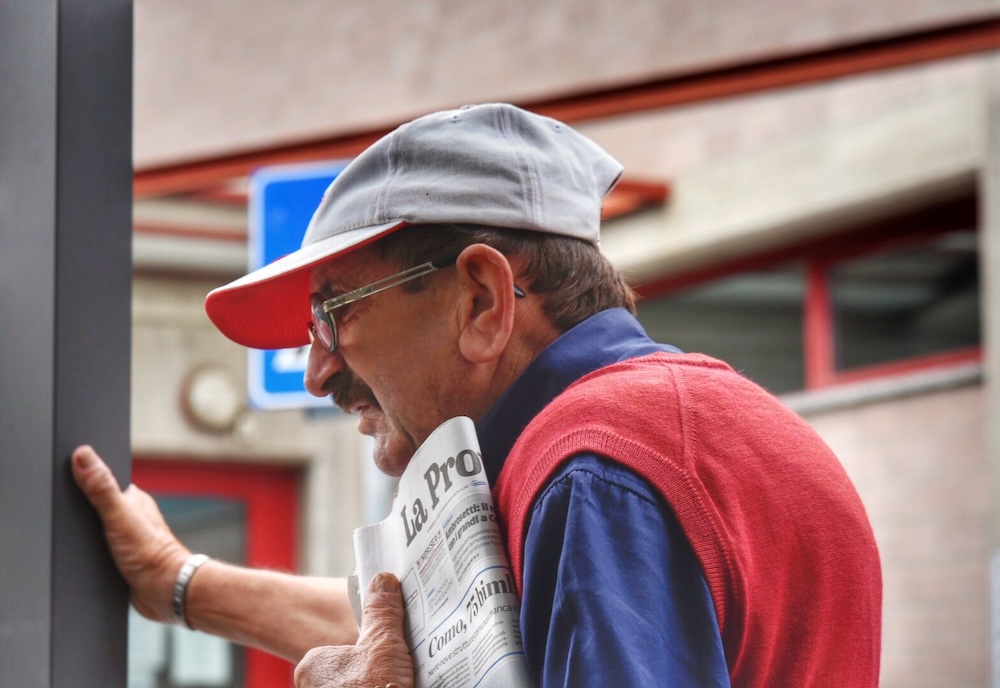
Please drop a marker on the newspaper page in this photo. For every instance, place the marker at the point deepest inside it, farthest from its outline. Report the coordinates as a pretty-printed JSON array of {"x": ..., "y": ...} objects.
[{"x": 442, "y": 541}]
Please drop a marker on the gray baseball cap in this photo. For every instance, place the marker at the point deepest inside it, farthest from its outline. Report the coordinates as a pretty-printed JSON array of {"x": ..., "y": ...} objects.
[{"x": 495, "y": 165}]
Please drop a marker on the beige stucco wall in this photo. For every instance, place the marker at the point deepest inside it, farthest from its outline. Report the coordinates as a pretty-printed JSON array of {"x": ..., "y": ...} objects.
[{"x": 222, "y": 76}]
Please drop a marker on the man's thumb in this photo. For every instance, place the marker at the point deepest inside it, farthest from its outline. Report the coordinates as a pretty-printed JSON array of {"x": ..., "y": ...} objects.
[
  {"x": 94, "y": 477},
  {"x": 383, "y": 605}
]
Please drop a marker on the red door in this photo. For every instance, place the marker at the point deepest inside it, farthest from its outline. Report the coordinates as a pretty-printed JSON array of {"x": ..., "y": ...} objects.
[{"x": 267, "y": 504}]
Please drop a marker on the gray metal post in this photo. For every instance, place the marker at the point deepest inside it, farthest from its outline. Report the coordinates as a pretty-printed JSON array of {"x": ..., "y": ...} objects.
[{"x": 65, "y": 299}]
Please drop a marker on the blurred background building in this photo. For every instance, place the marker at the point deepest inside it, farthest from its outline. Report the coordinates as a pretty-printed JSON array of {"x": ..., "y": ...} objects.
[{"x": 810, "y": 193}]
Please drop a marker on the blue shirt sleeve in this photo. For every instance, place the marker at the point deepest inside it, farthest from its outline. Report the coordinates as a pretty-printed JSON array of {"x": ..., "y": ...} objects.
[{"x": 613, "y": 593}]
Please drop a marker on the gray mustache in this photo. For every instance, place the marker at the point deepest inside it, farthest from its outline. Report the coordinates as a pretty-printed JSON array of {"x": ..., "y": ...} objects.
[{"x": 347, "y": 390}]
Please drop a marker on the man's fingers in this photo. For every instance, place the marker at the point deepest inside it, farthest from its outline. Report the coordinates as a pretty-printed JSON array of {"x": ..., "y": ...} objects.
[
  {"x": 141, "y": 543},
  {"x": 379, "y": 658},
  {"x": 95, "y": 479}
]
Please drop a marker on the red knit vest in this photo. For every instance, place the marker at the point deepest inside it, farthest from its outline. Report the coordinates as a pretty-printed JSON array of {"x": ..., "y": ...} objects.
[{"x": 781, "y": 534}]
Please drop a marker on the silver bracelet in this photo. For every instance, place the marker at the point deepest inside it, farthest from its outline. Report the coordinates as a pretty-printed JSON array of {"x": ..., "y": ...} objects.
[{"x": 181, "y": 586}]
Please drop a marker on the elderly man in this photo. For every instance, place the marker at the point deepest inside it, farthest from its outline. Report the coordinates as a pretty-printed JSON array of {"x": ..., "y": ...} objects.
[{"x": 669, "y": 522}]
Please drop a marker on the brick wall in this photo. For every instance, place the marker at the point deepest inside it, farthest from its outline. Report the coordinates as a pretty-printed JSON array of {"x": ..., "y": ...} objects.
[{"x": 921, "y": 467}]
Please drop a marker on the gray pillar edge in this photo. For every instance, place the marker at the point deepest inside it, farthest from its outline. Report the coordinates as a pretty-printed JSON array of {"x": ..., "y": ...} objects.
[
  {"x": 65, "y": 300},
  {"x": 989, "y": 194}
]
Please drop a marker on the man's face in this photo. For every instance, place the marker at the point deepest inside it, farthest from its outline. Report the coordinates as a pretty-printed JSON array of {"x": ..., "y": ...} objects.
[{"x": 394, "y": 362}]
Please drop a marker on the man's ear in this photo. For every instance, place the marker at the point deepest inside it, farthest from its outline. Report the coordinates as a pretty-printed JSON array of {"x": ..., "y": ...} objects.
[{"x": 486, "y": 303}]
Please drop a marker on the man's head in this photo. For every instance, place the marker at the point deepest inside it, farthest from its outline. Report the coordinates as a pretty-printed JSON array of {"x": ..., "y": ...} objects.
[{"x": 510, "y": 198}]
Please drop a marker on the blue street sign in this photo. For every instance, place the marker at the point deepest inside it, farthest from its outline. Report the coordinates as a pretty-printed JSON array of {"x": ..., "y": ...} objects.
[{"x": 282, "y": 201}]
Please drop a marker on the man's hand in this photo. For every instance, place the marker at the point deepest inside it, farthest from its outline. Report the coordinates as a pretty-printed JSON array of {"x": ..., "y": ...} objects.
[
  {"x": 144, "y": 549},
  {"x": 380, "y": 656}
]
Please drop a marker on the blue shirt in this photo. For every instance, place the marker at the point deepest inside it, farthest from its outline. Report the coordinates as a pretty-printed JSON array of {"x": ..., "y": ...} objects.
[{"x": 613, "y": 593}]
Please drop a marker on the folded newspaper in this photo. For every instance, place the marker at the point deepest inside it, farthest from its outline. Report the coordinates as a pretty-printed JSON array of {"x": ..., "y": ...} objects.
[{"x": 442, "y": 541}]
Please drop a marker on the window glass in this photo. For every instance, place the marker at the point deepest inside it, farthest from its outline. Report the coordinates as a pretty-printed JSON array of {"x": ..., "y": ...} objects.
[
  {"x": 917, "y": 300},
  {"x": 173, "y": 656},
  {"x": 752, "y": 321}
]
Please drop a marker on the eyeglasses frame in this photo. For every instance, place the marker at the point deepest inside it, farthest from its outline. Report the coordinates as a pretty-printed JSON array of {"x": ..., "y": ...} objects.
[{"x": 329, "y": 305}]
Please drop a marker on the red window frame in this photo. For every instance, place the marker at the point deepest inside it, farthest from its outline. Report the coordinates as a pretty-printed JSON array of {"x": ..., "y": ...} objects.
[
  {"x": 270, "y": 496},
  {"x": 818, "y": 258}
]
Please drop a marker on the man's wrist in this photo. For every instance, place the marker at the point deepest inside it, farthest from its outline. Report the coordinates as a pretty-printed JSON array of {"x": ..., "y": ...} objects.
[{"x": 181, "y": 584}]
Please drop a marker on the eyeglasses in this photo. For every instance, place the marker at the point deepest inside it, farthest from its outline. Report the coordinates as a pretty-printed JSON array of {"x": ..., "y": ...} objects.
[{"x": 324, "y": 326}]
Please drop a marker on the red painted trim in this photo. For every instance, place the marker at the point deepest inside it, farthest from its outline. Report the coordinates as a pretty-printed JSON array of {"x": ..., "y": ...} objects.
[
  {"x": 223, "y": 195},
  {"x": 852, "y": 241},
  {"x": 779, "y": 71},
  {"x": 214, "y": 172},
  {"x": 270, "y": 496},
  {"x": 971, "y": 354},
  {"x": 818, "y": 327},
  {"x": 631, "y": 196},
  {"x": 721, "y": 81},
  {"x": 238, "y": 237},
  {"x": 818, "y": 257}
]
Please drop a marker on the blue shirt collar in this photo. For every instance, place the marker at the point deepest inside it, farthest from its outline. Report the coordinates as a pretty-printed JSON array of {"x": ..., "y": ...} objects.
[{"x": 605, "y": 338}]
